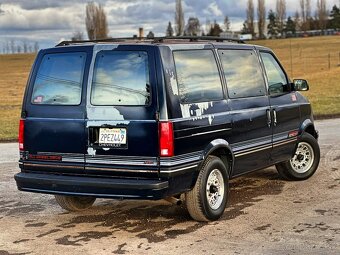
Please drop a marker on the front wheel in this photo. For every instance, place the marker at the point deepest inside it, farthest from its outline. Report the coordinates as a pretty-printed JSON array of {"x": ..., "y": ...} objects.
[
  {"x": 208, "y": 199},
  {"x": 304, "y": 162},
  {"x": 74, "y": 203}
]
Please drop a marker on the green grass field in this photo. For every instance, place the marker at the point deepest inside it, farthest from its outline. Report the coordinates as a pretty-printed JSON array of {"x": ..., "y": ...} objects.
[{"x": 315, "y": 59}]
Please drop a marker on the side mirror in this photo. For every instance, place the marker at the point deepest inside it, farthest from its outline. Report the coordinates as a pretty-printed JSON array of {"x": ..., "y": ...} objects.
[{"x": 300, "y": 85}]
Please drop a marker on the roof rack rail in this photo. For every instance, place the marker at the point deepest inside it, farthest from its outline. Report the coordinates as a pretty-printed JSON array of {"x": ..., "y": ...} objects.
[
  {"x": 122, "y": 39},
  {"x": 197, "y": 38},
  {"x": 155, "y": 39}
]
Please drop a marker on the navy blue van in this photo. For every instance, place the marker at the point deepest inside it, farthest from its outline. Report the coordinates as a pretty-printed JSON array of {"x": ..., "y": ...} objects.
[{"x": 160, "y": 118}]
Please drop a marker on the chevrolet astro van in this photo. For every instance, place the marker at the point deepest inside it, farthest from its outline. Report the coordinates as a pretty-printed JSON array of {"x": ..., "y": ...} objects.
[{"x": 163, "y": 118}]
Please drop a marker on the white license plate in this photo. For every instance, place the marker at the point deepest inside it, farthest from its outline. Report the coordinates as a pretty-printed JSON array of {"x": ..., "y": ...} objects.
[{"x": 112, "y": 136}]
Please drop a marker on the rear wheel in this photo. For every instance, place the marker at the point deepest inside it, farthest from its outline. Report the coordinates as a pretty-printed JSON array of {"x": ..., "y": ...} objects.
[
  {"x": 74, "y": 203},
  {"x": 208, "y": 199},
  {"x": 304, "y": 162}
]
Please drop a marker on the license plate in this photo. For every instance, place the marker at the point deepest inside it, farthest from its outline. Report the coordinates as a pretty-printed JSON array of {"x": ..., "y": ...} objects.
[{"x": 112, "y": 137}]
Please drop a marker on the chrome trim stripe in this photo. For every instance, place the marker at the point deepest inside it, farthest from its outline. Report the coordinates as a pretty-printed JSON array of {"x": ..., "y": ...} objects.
[
  {"x": 285, "y": 142},
  {"x": 177, "y": 170},
  {"x": 120, "y": 162},
  {"x": 181, "y": 159},
  {"x": 263, "y": 139},
  {"x": 52, "y": 166},
  {"x": 239, "y": 154},
  {"x": 60, "y": 154},
  {"x": 119, "y": 170},
  {"x": 204, "y": 133}
]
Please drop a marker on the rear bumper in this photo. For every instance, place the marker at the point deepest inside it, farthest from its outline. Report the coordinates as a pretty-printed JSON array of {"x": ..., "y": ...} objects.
[{"x": 92, "y": 186}]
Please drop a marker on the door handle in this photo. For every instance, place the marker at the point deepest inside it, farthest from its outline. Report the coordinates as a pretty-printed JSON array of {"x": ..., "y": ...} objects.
[
  {"x": 269, "y": 118},
  {"x": 274, "y": 118}
]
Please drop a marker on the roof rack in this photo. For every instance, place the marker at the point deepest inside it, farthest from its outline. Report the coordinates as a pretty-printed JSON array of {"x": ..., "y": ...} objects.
[
  {"x": 197, "y": 38},
  {"x": 65, "y": 43},
  {"x": 154, "y": 40}
]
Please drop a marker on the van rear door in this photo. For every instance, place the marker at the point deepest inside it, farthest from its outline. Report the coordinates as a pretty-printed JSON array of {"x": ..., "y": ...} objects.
[
  {"x": 53, "y": 112},
  {"x": 121, "y": 112}
]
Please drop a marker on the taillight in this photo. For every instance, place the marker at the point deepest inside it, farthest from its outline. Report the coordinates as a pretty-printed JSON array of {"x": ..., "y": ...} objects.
[
  {"x": 21, "y": 134},
  {"x": 166, "y": 139}
]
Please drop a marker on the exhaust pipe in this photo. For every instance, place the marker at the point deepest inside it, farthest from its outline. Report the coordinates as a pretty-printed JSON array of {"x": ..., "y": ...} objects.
[{"x": 174, "y": 200}]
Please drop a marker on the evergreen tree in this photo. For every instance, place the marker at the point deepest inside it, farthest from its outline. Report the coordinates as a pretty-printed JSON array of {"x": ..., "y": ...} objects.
[
  {"x": 215, "y": 30},
  {"x": 335, "y": 17},
  {"x": 291, "y": 26},
  {"x": 272, "y": 26},
  {"x": 169, "y": 30}
]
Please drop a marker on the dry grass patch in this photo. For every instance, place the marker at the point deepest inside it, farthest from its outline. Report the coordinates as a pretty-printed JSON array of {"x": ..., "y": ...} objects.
[{"x": 14, "y": 71}]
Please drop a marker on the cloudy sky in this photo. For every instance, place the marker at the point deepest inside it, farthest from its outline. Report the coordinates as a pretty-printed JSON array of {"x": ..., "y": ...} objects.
[{"x": 49, "y": 21}]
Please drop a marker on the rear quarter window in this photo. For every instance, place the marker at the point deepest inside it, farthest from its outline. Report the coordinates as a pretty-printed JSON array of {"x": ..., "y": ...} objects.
[
  {"x": 59, "y": 79},
  {"x": 198, "y": 78}
]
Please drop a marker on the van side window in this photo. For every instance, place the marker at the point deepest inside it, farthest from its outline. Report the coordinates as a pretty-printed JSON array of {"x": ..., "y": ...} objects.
[
  {"x": 243, "y": 73},
  {"x": 59, "y": 79},
  {"x": 275, "y": 75},
  {"x": 121, "y": 78},
  {"x": 198, "y": 78}
]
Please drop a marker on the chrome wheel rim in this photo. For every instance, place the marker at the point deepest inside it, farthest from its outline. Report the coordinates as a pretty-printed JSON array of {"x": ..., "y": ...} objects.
[
  {"x": 215, "y": 189},
  {"x": 303, "y": 158}
]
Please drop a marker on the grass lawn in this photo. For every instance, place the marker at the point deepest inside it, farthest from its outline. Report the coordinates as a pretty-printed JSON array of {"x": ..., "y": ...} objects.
[{"x": 316, "y": 59}]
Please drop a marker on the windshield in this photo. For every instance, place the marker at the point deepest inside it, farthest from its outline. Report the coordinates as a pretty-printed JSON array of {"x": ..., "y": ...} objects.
[
  {"x": 59, "y": 79},
  {"x": 121, "y": 78}
]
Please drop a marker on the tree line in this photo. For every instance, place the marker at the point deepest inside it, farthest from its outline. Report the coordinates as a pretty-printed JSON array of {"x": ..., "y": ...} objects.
[
  {"x": 14, "y": 46},
  {"x": 303, "y": 20},
  {"x": 275, "y": 21}
]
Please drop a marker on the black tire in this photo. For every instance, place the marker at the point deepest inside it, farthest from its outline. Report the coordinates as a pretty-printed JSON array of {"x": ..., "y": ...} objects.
[
  {"x": 74, "y": 203},
  {"x": 197, "y": 199},
  {"x": 311, "y": 146}
]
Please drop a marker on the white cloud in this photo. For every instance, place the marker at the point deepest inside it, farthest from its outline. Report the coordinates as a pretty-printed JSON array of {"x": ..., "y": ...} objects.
[{"x": 214, "y": 10}]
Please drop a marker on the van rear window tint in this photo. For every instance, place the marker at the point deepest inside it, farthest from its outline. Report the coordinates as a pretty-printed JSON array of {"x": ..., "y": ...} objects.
[
  {"x": 197, "y": 76},
  {"x": 121, "y": 78},
  {"x": 59, "y": 79}
]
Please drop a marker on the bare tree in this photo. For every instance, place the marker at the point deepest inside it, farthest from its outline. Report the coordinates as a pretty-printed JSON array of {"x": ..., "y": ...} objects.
[
  {"x": 207, "y": 26},
  {"x": 169, "y": 30},
  {"x": 24, "y": 46},
  {"x": 179, "y": 18},
  {"x": 261, "y": 17},
  {"x": 226, "y": 23},
  {"x": 193, "y": 26},
  {"x": 250, "y": 17},
  {"x": 303, "y": 12},
  {"x": 77, "y": 36},
  {"x": 308, "y": 14},
  {"x": 12, "y": 44},
  {"x": 281, "y": 15},
  {"x": 305, "y": 6},
  {"x": 36, "y": 47},
  {"x": 95, "y": 20},
  {"x": 322, "y": 14},
  {"x": 297, "y": 20},
  {"x": 18, "y": 49}
]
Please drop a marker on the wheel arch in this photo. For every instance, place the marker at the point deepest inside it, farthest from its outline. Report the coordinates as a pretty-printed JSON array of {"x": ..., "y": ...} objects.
[
  {"x": 221, "y": 149},
  {"x": 307, "y": 126}
]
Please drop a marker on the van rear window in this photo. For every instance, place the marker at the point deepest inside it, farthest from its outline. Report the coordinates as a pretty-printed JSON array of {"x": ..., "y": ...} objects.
[
  {"x": 59, "y": 79},
  {"x": 121, "y": 78}
]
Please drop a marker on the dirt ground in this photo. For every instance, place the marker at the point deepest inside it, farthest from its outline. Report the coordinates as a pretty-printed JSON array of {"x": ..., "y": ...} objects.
[{"x": 266, "y": 215}]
